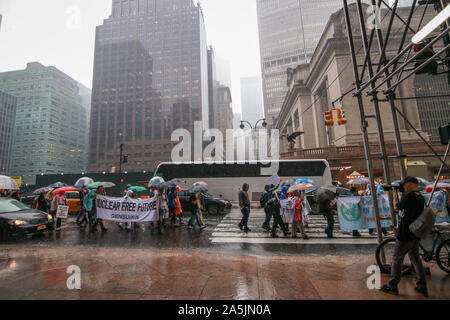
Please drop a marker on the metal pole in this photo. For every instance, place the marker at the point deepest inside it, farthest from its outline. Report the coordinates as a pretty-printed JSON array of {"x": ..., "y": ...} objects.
[
  {"x": 439, "y": 174},
  {"x": 384, "y": 159},
  {"x": 121, "y": 158},
  {"x": 398, "y": 140},
  {"x": 364, "y": 123}
]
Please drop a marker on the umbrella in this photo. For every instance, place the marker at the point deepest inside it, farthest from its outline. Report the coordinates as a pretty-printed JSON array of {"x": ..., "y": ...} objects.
[
  {"x": 174, "y": 182},
  {"x": 83, "y": 182},
  {"x": 8, "y": 183},
  {"x": 57, "y": 185},
  {"x": 300, "y": 187},
  {"x": 44, "y": 189},
  {"x": 304, "y": 180},
  {"x": 359, "y": 181},
  {"x": 137, "y": 189},
  {"x": 287, "y": 183},
  {"x": 423, "y": 183},
  {"x": 65, "y": 189},
  {"x": 156, "y": 183},
  {"x": 326, "y": 193},
  {"x": 95, "y": 185},
  {"x": 200, "y": 187},
  {"x": 440, "y": 185}
]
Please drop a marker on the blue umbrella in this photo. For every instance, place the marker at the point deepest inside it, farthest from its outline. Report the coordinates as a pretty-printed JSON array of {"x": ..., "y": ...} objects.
[{"x": 304, "y": 180}]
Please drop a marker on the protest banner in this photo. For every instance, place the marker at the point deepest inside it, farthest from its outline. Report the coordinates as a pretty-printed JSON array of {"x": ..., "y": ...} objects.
[
  {"x": 127, "y": 209},
  {"x": 357, "y": 213},
  {"x": 62, "y": 212}
]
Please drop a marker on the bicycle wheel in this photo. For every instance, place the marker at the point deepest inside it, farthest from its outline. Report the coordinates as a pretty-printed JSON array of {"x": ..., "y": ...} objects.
[
  {"x": 388, "y": 246},
  {"x": 443, "y": 256}
]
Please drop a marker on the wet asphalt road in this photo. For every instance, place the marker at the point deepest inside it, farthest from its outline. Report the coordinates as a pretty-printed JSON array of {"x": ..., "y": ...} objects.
[{"x": 182, "y": 238}]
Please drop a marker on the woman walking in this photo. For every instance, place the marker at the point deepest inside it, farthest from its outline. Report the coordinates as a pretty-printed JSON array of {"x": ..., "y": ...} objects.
[
  {"x": 100, "y": 192},
  {"x": 298, "y": 217},
  {"x": 172, "y": 204},
  {"x": 58, "y": 200},
  {"x": 179, "y": 209}
]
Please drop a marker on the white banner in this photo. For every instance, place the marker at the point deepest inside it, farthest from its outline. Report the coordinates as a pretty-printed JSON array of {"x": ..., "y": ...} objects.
[{"x": 127, "y": 209}]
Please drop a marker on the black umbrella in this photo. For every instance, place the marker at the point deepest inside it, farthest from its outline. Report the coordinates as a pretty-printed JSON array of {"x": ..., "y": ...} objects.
[{"x": 174, "y": 182}]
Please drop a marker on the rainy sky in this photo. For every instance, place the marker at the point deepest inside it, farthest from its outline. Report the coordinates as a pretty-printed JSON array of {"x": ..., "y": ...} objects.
[{"x": 46, "y": 31}]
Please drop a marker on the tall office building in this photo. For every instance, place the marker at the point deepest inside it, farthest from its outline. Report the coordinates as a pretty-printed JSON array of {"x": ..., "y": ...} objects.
[
  {"x": 252, "y": 99},
  {"x": 8, "y": 104},
  {"x": 289, "y": 31},
  {"x": 51, "y": 122},
  {"x": 223, "y": 71},
  {"x": 150, "y": 78}
]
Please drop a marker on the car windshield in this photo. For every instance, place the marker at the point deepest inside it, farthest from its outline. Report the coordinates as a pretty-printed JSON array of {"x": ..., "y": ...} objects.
[{"x": 7, "y": 206}]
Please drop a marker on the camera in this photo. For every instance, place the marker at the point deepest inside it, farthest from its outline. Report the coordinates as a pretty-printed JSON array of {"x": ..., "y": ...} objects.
[{"x": 392, "y": 187}]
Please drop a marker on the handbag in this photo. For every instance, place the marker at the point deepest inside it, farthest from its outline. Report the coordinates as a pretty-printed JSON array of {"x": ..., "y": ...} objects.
[{"x": 424, "y": 224}]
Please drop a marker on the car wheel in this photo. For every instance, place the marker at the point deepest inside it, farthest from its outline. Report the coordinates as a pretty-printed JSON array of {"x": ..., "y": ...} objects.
[{"x": 213, "y": 209}]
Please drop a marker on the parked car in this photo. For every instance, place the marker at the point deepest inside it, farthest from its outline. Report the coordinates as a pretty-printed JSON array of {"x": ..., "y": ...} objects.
[
  {"x": 311, "y": 196},
  {"x": 73, "y": 201},
  {"x": 214, "y": 205},
  {"x": 16, "y": 218}
]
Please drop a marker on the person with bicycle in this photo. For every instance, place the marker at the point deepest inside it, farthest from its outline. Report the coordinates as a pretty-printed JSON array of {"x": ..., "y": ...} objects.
[{"x": 410, "y": 206}]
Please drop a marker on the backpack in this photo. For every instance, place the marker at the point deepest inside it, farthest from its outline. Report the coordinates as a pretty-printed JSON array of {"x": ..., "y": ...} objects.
[{"x": 263, "y": 200}]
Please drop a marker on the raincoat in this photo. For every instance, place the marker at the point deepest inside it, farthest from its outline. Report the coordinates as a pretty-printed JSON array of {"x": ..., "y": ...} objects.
[
  {"x": 179, "y": 209},
  {"x": 88, "y": 201}
]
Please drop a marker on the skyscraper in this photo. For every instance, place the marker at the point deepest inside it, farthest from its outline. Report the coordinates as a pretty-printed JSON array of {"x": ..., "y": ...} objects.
[
  {"x": 289, "y": 31},
  {"x": 8, "y": 104},
  {"x": 252, "y": 99},
  {"x": 150, "y": 78},
  {"x": 51, "y": 122}
]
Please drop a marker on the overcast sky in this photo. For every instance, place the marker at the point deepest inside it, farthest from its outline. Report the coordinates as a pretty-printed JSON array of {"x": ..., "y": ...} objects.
[{"x": 44, "y": 31}]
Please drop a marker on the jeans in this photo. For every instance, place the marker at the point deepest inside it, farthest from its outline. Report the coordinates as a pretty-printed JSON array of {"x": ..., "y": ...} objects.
[
  {"x": 197, "y": 217},
  {"x": 81, "y": 218},
  {"x": 412, "y": 249},
  {"x": 246, "y": 213},
  {"x": 266, "y": 224}
]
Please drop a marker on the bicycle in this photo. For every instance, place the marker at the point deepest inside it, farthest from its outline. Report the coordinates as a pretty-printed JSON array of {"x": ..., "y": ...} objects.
[{"x": 442, "y": 256}]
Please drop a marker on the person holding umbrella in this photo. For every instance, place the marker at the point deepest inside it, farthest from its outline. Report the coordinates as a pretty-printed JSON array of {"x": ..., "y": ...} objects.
[
  {"x": 81, "y": 218},
  {"x": 41, "y": 203},
  {"x": 59, "y": 200},
  {"x": 171, "y": 202},
  {"x": 195, "y": 207},
  {"x": 298, "y": 216},
  {"x": 179, "y": 209}
]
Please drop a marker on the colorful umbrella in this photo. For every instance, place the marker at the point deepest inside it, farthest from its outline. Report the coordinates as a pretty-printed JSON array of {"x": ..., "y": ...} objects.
[
  {"x": 7, "y": 183},
  {"x": 83, "y": 182},
  {"x": 95, "y": 185},
  {"x": 300, "y": 187},
  {"x": 304, "y": 180},
  {"x": 137, "y": 189},
  {"x": 44, "y": 189},
  {"x": 65, "y": 189}
]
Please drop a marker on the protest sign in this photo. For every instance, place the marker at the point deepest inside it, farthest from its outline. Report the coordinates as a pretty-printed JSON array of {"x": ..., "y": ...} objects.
[{"x": 127, "y": 209}]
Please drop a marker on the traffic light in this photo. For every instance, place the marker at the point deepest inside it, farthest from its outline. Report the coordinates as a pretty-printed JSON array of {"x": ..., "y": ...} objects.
[
  {"x": 125, "y": 159},
  {"x": 444, "y": 132},
  {"x": 341, "y": 117},
  {"x": 431, "y": 68},
  {"x": 329, "y": 121}
]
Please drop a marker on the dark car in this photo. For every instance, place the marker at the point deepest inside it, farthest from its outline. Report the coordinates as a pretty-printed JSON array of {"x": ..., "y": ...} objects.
[
  {"x": 311, "y": 196},
  {"x": 16, "y": 218},
  {"x": 214, "y": 205}
]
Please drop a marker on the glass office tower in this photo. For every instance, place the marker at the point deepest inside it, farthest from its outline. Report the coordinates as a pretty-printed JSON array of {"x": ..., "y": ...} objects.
[
  {"x": 8, "y": 104},
  {"x": 150, "y": 78}
]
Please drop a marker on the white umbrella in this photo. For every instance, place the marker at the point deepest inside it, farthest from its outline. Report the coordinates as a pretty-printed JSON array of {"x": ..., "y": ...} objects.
[
  {"x": 8, "y": 183},
  {"x": 300, "y": 187},
  {"x": 441, "y": 185},
  {"x": 83, "y": 182},
  {"x": 156, "y": 183}
]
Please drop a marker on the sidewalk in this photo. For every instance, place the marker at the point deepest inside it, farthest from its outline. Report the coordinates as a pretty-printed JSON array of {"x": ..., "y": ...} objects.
[{"x": 110, "y": 274}]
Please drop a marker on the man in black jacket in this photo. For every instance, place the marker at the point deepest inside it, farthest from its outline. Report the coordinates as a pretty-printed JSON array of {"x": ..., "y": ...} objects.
[
  {"x": 412, "y": 204},
  {"x": 244, "y": 205}
]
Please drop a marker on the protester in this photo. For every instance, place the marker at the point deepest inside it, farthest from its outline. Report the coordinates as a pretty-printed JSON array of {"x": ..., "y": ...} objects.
[
  {"x": 97, "y": 221},
  {"x": 172, "y": 204},
  {"x": 194, "y": 206},
  {"x": 273, "y": 206},
  {"x": 244, "y": 205},
  {"x": 179, "y": 209},
  {"x": 355, "y": 193},
  {"x": 201, "y": 207},
  {"x": 41, "y": 203},
  {"x": 327, "y": 208},
  {"x": 81, "y": 218},
  {"x": 284, "y": 196},
  {"x": 163, "y": 209},
  {"x": 368, "y": 192},
  {"x": 59, "y": 200},
  {"x": 129, "y": 225},
  {"x": 411, "y": 206},
  {"x": 298, "y": 217},
  {"x": 265, "y": 197}
]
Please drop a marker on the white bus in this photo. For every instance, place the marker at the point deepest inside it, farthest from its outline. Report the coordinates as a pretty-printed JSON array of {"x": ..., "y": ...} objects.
[{"x": 227, "y": 178}]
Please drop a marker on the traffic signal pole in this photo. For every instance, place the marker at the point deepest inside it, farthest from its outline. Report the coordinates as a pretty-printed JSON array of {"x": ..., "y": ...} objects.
[
  {"x": 364, "y": 123},
  {"x": 121, "y": 158}
]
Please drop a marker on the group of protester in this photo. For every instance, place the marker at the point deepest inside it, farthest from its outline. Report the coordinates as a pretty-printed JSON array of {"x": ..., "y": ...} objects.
[{"x": 294, "y": 208}]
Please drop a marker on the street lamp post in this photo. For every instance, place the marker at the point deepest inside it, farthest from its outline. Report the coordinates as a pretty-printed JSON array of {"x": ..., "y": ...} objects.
[{"x": 254, "y": 131}]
